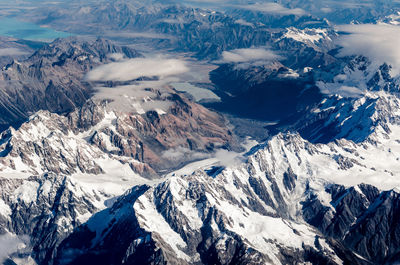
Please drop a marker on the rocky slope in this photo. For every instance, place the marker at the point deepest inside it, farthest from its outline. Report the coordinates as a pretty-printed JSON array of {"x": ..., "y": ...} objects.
[
  {"x": 42, "y": 211},
  {"x": 355, "y": 119},
  {"x": 90, "y": 138},
  {"x": 52, "y": 78},
  {"x": 279, "y": 89},
  {"x": 56, "y": 171},
  {"x": 12, "y": 48},
  {"x": 291, "y": 202},
  {"x": 202, "y": 31}
]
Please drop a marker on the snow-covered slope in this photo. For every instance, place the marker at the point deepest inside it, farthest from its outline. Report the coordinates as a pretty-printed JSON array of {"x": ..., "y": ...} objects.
[
  {"x": 369, "y": 117},
  {"x": 97, "y": 140},
  {"x": 48, "y": 143},
  {"x": 292, "y": 201},
  {"x": 91, "y": 156},
  {"x": 319, "y": 39},
  {"x": 196, "y": 220},
  {"x": 42, "y": 211},
  {"x": 358, "y": 76}
]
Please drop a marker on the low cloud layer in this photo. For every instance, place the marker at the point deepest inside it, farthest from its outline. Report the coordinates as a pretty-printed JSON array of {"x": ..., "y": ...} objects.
[
  {"x": 8, "y": 245},
  {"x": 249, "y": 55},
  {"x": 135, "y": 68},
  {"x": 182, "y": 153},
  {"x": 12, "y": 52},
  {"x": 342, "y": 90},
  {"x": 274, "y": 8},
  {"x": 135, "y": 97},
  {"x": 139, "y": 35},
  {"x": 380, "y": 43},
  {"x": 244, "y": 23}
]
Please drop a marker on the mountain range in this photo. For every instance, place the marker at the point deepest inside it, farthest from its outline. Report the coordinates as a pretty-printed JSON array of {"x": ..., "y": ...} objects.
[{"x": 104, "y": 159}]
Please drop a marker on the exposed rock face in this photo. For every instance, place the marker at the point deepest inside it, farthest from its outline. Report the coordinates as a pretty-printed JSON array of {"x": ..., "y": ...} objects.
[
  {"x": 44, "y": 210},
  {"x": 15, "y": 49},
  {"x": 364, "y": 219},
  {"x": 52, "y": 78},
  {"x": 206, "y": 33},
  {"x": 85, "y": 139},
  {"x": 354, "y": 119},
  {"x": 281, "y": 206},
  {"x": 261, "y": 212},
  {"x": 151, "y": 137}
]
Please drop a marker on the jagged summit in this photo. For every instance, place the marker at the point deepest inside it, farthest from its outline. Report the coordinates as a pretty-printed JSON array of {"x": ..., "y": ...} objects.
[
  {"x": 52, "y": 78},
  {"x": 107, "y": 162},
  {"x": 291, "y": 200},
  {"x": 283, "y": 205},
  {"x": 368, "y": 117},
  {"x": 86, "y": 140}
]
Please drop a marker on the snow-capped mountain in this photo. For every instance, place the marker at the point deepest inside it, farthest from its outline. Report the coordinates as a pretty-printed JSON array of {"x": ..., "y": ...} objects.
[
  {"x": 102, "y": 161},
  {"x": 292, "y": 201},
  {"x": 360, "y": 75},
  {"x": 94, "y": 140},
  {"x": 52, "y": 78},
  {"x": 57, "y": 171},
  {"x": 37, "y": 213},
  {"x": 356, "y": 119}
]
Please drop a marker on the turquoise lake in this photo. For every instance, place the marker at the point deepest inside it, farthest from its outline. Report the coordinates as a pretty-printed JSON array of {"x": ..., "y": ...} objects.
[{"x": 12, "y": 27}]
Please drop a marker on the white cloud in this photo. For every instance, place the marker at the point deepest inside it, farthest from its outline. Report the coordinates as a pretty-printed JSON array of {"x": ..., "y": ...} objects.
[
  {"x": 8, "y": 245},
  {"x": 273, "y": 8},
  {"x": 136, "y": 68},
  {"x": 228, "y": 158},
  {"x": 342, "y": 90},
  {"x": 211, "y": 2},
  {"x": 182, "y": 153},
  {"x": 380, "y": 43},
  {"x": 244, "y": 23},
  {"x": 138, "y": 35},
  {"x": 207, "y": 1},
  {"x": 198, "y": 93},
  {"x": 249, "y": 55},
  {"x": 135, "y": 97},
  {"x": 12, "y": 52},
  {"x": 326, "y": 9},
  {"x": 116, "y": 56}
]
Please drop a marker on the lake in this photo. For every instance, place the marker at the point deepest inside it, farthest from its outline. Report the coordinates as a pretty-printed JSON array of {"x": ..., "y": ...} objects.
[{"x": 12, "y": 27}]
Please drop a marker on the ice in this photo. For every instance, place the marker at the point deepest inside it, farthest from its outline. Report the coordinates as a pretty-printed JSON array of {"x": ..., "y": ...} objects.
[
  {"x": 5, "y": 210},
  {"x": 27, "y": 192},
  {"x": 154, "y": 222},
  {"x": 308, "y": 35}
]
